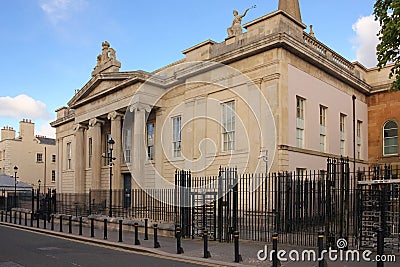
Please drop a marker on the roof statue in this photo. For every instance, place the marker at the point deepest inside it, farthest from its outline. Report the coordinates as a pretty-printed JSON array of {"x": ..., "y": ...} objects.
[
  {"x": 236, "y": 28},
  {"x": 291, "y": 7},
  {"x": 107, "y": 60}
]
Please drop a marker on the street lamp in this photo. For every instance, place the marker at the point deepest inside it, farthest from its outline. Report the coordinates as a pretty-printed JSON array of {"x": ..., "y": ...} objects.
[
  {"x": 15, "y": 186},
  {"x": 110, "y": 157},
  {"x": 38, "y": 197}
]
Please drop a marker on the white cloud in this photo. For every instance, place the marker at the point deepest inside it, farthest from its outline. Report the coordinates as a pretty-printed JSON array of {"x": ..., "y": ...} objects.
[
  {"x": 366, "y": 40},
  {"x": 23, "y": 106},
  {"x": 46, "y": 130},
  {"x": 58, "y": 10}
]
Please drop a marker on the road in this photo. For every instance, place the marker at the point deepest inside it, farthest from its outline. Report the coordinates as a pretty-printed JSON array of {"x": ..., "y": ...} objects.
[{"x": 25, "y": 248}]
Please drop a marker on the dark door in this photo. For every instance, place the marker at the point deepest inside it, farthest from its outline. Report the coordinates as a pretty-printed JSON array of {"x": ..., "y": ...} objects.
[{"x": 127, "y": 190}]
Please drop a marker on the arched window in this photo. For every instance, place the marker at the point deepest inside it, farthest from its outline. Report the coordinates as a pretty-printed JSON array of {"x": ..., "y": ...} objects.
[{"x": 390, "y": 138}]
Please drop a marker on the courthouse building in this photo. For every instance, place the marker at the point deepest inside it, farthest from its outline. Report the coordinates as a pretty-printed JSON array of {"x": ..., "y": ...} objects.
[{"x": 270, "y": 97}]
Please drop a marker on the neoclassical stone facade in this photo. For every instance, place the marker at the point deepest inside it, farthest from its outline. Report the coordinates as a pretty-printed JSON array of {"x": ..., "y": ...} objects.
[{"x": 208, "y": 110}]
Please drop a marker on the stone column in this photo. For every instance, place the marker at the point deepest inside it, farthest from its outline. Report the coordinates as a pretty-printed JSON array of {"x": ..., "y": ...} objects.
[
  {"x": 116, "y": 134},
  {"x": 79, "y": 158},
  {"x": 139, "y": 141},
  {"x": 95, "y": 132}
]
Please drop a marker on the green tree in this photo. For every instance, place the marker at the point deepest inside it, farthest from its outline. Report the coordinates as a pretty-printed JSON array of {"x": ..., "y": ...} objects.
[{"x": 387, "y": 12}]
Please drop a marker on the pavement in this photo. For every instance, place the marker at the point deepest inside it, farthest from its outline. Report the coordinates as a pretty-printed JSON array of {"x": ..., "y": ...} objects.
[{"x": 222, "y": 254}]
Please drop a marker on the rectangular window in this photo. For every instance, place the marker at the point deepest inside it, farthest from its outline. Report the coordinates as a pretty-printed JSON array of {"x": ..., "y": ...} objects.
[
  {"x": 69, "y": 156},
  {"x": 359, "y": 139},
  {"x": 39, "y": 157},
  {"x": 342, "y": 126},
  {"x": 53, "y": 158},
  {"x": 127, "y": 145},
  {"x": 177, "y": 135},
  {"x": 150, "y": 141},
  {"x": 90, "y": 152},
  {"x": 300, "y": 103},
  {"x": 229, "y": 125},
  {"x": 301, "y": 173},
  {"x": 322, "y": 128},
  {"x": 53, "y": 176}
]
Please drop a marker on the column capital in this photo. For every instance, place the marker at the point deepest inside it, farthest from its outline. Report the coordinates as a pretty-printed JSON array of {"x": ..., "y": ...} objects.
[
  {"x": 140, "y": 107},
  {"x": 114, "y": 115},
  {"x": 79, "y": 127},
  {"x": 95, "y": 122}
]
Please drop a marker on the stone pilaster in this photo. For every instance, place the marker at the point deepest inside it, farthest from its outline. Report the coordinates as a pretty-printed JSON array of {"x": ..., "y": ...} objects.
[
  {"x": 79, "y": 158},
  {"x": 95, "y": 132},
  {"x": 59, "y": 161},
  {"x": 116, "y": 134}
]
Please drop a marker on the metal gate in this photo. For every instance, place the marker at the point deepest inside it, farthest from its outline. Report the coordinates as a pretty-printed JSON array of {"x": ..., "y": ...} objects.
[
  {"x": 379, "y": 208},
  {"x": 207, "y": 203}
]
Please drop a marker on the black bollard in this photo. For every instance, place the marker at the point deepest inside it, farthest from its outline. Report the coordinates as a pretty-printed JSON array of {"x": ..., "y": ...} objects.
[
  {"x": 275, "y": 261},
  {"x": 61, "y": 223},
  {"x": 20, "y": 218},
  {"x": 37, "y": 220},
  {"x": 120, "y": 231},
  {"x": 26, "y": 220},
  {"x": 44, "y": 222},
  {"x": 105, "y": 229},
  {"x": 207, "y": 253},
  {"x": 136, "y": 225},
  {"x": 2, "y": 216},
  {"x": 321, "y": 262},
  {"x": 52, "y": 222},
  {"x": 70, "y": 224},
  {"x": 380, "y": 246},
  {"x": 80, "y": 225},
  {"x": 10, "y": 216},
  {"x": 31, "y": 219},
  {"x": 15, "y": 217},
  {"x": 6, "y": 216},
  {"x": 156, "y": 243},
  {"x": 146, "y": 230},
  {"x": 238, "y": 257},
  {"x": 178, "y": 235},
  {"x": 91, "y": 227}
]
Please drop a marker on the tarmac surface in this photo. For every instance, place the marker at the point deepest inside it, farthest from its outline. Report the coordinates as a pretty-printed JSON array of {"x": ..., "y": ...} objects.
[{"x": 222, "y": 254}]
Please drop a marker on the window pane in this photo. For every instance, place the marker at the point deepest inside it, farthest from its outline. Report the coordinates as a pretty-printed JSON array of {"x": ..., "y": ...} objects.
[
  {"x": 390, "y": 133},
  {"x": 390, "y": 141},
  {"x": 391, "y": 125}
]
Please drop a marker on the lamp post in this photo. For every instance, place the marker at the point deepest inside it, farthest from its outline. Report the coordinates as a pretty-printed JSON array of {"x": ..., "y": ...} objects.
[
  {"x": 110, "y": 157},
  {"x": 38, "y": 197},
  {"x": 15, "y": 186}
]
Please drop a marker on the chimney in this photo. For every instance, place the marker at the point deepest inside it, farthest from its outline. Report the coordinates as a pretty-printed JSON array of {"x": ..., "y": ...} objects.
[
  {"x": 7, "y": 133},
  {"x": 26, "y": 129}
]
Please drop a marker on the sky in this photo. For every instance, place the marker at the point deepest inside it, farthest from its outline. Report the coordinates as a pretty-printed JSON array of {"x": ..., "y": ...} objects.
[{"x": 49, "y": 47}]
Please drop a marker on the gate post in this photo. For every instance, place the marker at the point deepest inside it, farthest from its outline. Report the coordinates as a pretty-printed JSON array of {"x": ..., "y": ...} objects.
[
  {"x": 235, "y": 199},
  {"x": 220, "y": 205}
]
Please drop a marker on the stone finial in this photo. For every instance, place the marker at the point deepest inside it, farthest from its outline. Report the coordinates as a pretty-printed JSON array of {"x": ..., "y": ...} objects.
[
  {"x": 107, "y": 60},
  {"x": 312, "y": 32}
]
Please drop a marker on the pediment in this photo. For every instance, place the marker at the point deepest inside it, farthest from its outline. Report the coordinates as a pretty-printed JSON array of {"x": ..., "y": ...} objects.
[{"x": 100, "y": 85}]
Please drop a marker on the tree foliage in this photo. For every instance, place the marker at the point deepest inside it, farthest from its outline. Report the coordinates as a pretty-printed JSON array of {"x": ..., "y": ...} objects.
[{"x": 387, "y": 12}]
